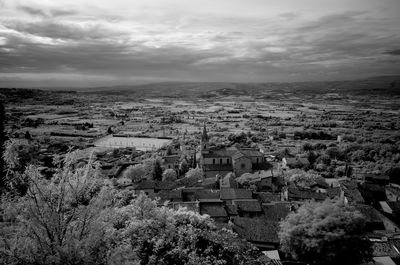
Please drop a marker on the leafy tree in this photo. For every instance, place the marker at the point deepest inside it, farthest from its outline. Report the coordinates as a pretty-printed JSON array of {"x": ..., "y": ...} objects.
[
  {"x": 137, "y": 172},
  {"x": 17, "y": 155},
  {"x": 307, "y": 147},
  {"x": 169, "y": 175},
  {"x": 59, "y": 219},
  {"x": 73, "y": 219},
  {"x": 325, "y": 233},
  {"x": 148, "y": 234},
  {"x": 302, "y": 178},
  {"x": 195, "y": 173},
  {"x": 183, "y": 167},
  {"x": 358, "y": 155}
]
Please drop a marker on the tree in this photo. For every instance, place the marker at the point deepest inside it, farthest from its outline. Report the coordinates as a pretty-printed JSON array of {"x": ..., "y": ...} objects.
[
  {"x": 302, "y": 178},
  {"x": 59, "y": 220},
  {"x": 137, "y": 172},
  {"x": 148, "y": 234},
  {"x": 156, "y": 170},
  {"x": 28, "y": 135},
  {"x": 307, "y": 147},
  {"x": 73, "y": 218},
  {"x": 183, "y": 167},
  {"x": 325, "y": 233},
  {"x": 169, "y": 175},
  {"x": 17, "y": 155},
  {"x": 195, "y": 173}
]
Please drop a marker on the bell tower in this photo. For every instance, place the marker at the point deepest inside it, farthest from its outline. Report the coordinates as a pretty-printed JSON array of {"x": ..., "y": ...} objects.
[{"x": 204, "y": 141}]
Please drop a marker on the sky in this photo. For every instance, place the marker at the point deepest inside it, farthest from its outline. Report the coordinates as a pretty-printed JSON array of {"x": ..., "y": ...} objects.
[{"x": 70, "y": 43}]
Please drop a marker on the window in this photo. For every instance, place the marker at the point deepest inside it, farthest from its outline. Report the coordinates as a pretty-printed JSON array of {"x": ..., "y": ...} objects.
[
  {"x": 257, "y": 160},
  {"x": 213, "y": 160},
  {"x": 220, "y": 161},
  {"x": 227, "y": 161},
  {"x": 243, "y": 165}
]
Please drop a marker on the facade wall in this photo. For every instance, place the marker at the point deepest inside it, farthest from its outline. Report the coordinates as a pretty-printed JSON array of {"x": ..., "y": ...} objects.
[
  {"x": 217, "y": 160},
  {"x": 257, "y": 159},
  {"x": 242, "y": 165}
]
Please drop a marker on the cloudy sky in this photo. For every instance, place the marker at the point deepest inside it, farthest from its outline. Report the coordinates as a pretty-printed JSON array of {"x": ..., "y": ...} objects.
[{"x": 114, "y": 42}]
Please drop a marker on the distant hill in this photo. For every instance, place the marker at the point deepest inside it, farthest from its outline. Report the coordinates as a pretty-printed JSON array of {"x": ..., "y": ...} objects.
[{"x": 380, "y": 85}]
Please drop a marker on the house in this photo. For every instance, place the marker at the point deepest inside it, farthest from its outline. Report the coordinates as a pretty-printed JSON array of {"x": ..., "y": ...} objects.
[
  {"x": 372, "y": 192},
  {"x": 372, "y": 217},
  {"x": 260, "y": 231},
  {"x": 197, "y": 193},
  {"x": 351, "y": 193},
  {"x": 170, "y": 195},
  {"x": 215, "y": 208},
  {"x": 228, "y": 195},
  {"x": 266, "y": 197},
  {"x": 231, "y": 210},
  {"x": 295, "y": 162},
  {"x": 381, "y": 179},
  {"x": 297, "y": 194},
  {"x": 247, "y": 207},
  {"x": 233, "y": 159},
  {"x": 191, "y": 206},
  {"x": 392, "y": 192},
  {"x": 277, "y": 211},
  {"x": 170, "y": 162},
  {"x": 151, "y": 187},
  {"x": 385, "y": 249}
]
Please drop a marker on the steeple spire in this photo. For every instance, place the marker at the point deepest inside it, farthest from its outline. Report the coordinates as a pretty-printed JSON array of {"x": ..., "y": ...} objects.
[{"x": 204, "y": 137}]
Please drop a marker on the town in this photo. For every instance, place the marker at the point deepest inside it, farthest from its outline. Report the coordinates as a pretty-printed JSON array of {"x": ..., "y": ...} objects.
[{"x": 245, "y": 162}]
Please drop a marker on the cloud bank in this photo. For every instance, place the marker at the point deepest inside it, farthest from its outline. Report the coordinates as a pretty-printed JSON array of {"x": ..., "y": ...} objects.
[{"x": 85, "y": 43}]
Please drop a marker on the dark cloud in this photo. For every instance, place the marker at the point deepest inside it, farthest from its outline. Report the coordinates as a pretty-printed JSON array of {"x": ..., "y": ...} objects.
[
  {"x": 62, "y": 30},
  {"x": 46, "y": 13},
  {"x": 393, "y": 52},
  {"x": 33, "y": 11}
]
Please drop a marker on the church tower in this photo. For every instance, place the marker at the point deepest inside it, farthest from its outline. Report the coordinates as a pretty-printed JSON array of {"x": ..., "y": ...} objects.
[{"x": 204, "y": 141}]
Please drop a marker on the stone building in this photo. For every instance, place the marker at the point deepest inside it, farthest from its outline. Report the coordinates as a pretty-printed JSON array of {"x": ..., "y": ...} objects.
[{"x": 233, "y": 159}]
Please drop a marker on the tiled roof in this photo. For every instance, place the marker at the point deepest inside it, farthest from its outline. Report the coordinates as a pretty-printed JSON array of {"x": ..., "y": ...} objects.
[
  {"x": 384, "y": 248},
  {"x": 170, "y": 195},
  {"x": 151, "y": 184},
  {"x": 218, "y": 167},
  {"x": 238, "y": 155},
  {"x": 220, "y": 153},
  {"x": 267, "y": 196},
  {"x": 351, "y": 191},
  {"x": 231, "y": 209},
  {"x": 170, "y": 159},
  {"x": 257, "y": 229},
  {"x": 276, "y": 211},
  {"x": 192, "y": 206},
  {"x": 247, "y": 205},
  {"x": 395, "y": 206},
  {"x": 235, "y": 194},
  {"x": 213, "y": 210},
  {"x": 333, "y": 192},
  {"x": 207, "y": 194},
  {"x": 297, "y": 194},
  {"x": 371, "y": 215},
  {"x": 251, "y": 152}
]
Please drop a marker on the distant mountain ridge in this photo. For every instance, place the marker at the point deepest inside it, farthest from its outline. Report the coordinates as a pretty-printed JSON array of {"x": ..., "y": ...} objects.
[{"x": 379, "y": 85}]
